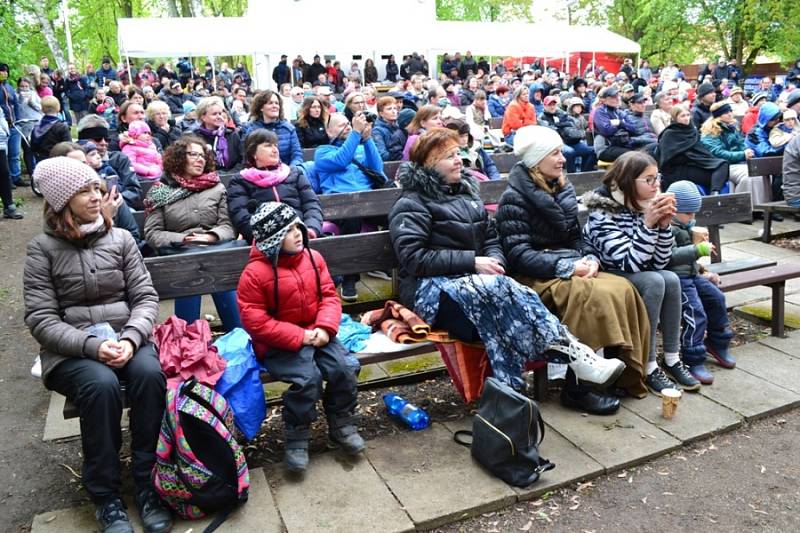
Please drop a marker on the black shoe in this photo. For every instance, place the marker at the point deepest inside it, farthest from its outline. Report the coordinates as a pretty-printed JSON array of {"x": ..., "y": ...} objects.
[
  {"x": 295, "y": 456},
  {"x": 588, "y": 401},
  {"x": 682, "y": 376},
  {"x": 657, "y": 381},
  {"x": 777, "y": 217},
  {"x": 156, "y": 518},
  {"x": 113, "y": 517},
  {"x": 758, "y": 215},
  {"x": 23, "y": 183},
  {"x": 12, "y": 213},
  {"x": 349, "y": 292}
]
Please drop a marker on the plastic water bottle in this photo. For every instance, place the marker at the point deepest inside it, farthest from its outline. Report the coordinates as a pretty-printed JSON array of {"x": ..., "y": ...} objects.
[{"x": 413, "y": 416}]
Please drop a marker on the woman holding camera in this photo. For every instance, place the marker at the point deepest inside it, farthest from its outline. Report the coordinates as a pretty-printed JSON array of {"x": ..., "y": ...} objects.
[{"x": 629, "y": 232}]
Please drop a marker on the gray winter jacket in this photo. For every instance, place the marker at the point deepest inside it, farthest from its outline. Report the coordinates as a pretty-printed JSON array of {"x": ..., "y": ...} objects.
[
  {"x": 204, "y": 211},
  {"x": 70, "y": 285},
  {"x": 791, "y": 169}
]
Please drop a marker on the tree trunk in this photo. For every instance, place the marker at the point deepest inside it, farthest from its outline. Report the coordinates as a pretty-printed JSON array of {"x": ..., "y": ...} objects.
[
  {"x": 185, "y": 10},
  {"x": 49, "y": 34},
  {"x": 196, "y": 7},
  {"x": 127, "y": 8},
  {"x": 172, "y": 8}
]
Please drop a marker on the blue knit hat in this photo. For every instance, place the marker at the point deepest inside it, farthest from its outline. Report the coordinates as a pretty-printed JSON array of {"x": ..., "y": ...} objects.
[{"x": 687, "y": 197}]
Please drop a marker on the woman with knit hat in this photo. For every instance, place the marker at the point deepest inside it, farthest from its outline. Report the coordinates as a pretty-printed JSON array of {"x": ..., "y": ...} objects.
[
  {"x": 452, "y": 270},
  {"x": 721, "y": 135},
  {"x": 188, "y": 210},
  {"x": 90, "y": 304},
  {"x": 539, "y": 228}
]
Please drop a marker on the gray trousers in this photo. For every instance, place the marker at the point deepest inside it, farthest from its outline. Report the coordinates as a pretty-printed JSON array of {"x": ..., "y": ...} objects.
[{"x": 661, "y": 292}]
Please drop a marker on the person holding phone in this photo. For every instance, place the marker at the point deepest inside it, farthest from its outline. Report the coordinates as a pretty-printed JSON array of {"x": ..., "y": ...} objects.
[
  {"x": 187, "y": 209},
  {"x": 629, "y": 230}
]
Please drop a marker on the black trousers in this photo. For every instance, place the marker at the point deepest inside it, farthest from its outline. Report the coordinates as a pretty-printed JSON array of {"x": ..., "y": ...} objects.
[
  {"x": 712, "y": 180},
  {"x": 306, "y": 370},
  {"x": 95, "y": 388},
  {"x": 351, "y": 226},
  {"x": 5, "y": 181}
]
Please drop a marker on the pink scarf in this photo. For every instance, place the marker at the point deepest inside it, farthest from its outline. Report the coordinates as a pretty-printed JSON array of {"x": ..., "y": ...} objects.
[{"x": 266, "y": 178}]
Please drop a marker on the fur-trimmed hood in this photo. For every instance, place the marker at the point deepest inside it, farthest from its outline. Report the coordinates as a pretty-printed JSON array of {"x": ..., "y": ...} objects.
[
  {"x": 428, "y": 182},
  {"x": 600, "y": 199}
]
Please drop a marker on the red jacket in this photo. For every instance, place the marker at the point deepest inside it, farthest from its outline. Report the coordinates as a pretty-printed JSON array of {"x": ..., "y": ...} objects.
[
  {"x": 517, "y": 115},
  {"x": 750, "y": 119},
  {"x": 299, "y": 306}
]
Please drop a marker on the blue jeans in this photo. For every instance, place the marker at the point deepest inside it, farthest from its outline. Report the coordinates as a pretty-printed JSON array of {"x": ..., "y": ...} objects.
[
  {"x": 794, "y": 202},
  {"x": 188, "y": 309},
  {"x": 582, "y": 150},
  {"x": 703, "y": 314},
  {"x": 14, "y": 151}
]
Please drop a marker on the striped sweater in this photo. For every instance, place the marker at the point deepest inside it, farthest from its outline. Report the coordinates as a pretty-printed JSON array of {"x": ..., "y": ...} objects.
[{"x": 620, "y": 238}]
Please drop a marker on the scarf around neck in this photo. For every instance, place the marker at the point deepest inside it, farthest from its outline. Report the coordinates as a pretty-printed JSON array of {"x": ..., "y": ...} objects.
[
  {"x": 162, "y": 194},
  {"x": 220, "y": 144},
  {"x": 266, "y": 177},
  {"x": 92, "y": 227}
]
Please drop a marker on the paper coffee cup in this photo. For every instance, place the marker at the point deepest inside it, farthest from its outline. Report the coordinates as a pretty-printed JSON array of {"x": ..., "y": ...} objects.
[
  {"x": 669, "y": 402},
  {"x": 699, "y": 234}
]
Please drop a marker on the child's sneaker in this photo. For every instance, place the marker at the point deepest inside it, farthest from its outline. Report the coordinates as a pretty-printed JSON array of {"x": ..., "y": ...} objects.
[
  {"x": 657, "y": 381},
  {"x": 344, "y": 432},
  {"x": 722, "y": 355},
  {"x": 682, "y": 376},
  {"x": 296, "y": 454},
  {"x": 701, "y": 374}
]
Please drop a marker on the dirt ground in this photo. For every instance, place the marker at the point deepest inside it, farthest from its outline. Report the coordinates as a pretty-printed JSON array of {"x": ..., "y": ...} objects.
[{"x": 42, "y": 476}]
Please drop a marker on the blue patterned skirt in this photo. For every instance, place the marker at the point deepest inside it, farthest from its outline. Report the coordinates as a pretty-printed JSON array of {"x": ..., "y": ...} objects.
[{"x": 513, "y": 323}]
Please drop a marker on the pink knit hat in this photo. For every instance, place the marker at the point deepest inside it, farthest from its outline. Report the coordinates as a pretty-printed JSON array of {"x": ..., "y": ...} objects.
[
  {"x": 60, "y": 178},
  {"x": 137, "y": 127}
]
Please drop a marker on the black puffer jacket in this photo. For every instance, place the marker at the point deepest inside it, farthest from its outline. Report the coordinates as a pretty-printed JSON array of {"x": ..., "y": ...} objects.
[
  {"x": 165, "y": 137},
  {"x": 537, "y": 229},
  {"x": 235, "y": 144},
  {"x": 437, "y": 229},
  {"x": 295, "y": 191},
  {"x": 312, "y": 135}
]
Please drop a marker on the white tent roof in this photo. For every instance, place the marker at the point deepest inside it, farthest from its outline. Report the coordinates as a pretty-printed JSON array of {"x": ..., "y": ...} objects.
[{"x": 207, "y": 36}]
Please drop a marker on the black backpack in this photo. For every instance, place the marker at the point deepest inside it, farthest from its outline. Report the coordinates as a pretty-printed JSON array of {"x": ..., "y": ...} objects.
[{"x": 506, "y": 433}]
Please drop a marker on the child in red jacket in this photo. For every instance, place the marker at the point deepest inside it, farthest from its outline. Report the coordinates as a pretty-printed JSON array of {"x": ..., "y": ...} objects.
[{"x": 290, "y": 308}]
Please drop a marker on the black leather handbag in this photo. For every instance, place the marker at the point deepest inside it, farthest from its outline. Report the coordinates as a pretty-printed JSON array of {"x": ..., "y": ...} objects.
[{"x": 506, "y": 433}]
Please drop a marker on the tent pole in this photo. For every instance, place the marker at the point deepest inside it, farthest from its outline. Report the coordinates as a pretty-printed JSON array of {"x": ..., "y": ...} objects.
[
  {"x": 213, "y": 74},
  {"x": 594, "y": 62}
]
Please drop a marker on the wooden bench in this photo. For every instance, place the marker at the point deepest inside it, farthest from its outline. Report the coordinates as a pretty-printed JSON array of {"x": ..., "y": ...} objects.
[{"x": 768, "y": 168}]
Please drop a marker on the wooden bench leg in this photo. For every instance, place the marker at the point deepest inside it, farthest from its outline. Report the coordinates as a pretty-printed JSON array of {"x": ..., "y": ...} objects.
[
  {"x": 778, "y": 308},
  {"x": 766, "y": 235},
  {"x": 540, "y": 384}
]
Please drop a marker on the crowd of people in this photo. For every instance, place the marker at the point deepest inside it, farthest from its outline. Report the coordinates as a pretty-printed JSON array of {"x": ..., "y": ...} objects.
[{"x": 521, "y": 282}]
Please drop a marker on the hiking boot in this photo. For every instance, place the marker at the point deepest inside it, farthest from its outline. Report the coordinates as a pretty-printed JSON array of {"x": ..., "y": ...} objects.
[
  {"x": 296, "y": 454},
  {"x": 342, "y": 431},
  {"x": 582, "y": 398},
  {"x": 586, "y": 364},
  {"x": 156, "y": 518},
  {"x": 12, "y": 213},
  {"x": 701, "y": 374},
  {"x": 657, "y": 381},
  {"x": 113, "y": 517},
  {"x": 681, "y": 375},
  {"x": 777, "y": 217},
  {"x": 722, "y": 356},
  {"x": 349, "y": 292}
]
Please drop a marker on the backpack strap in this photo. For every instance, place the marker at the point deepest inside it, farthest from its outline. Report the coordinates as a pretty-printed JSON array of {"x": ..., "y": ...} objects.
[{"x": 221, "y": 517}]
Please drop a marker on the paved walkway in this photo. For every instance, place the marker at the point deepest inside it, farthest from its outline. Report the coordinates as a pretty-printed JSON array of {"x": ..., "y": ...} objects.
[{"x": 423, "y": 479}]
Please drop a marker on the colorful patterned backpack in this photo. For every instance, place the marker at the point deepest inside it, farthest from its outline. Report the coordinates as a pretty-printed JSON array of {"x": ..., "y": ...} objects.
[{"x": 200, "y": 468}]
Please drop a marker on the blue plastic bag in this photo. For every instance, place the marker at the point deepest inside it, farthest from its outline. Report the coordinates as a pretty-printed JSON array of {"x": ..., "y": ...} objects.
[{"x": 240, "y": 384}]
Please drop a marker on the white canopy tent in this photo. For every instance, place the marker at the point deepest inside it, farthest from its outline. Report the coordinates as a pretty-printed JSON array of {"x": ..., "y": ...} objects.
[{"x": 274, "y": 28}]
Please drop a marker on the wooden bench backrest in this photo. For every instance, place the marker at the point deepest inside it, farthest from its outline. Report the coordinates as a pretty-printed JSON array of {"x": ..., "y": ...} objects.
[
  {"x": 308, "y": 154},
  {"x": 219, "y": 270},
  {"x": 496, "y": 123},
  {"x": 765, "y": 166}
]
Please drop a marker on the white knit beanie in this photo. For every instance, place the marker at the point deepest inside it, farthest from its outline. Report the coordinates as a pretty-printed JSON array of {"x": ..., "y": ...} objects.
[
  {"x": 60, "y": 178},
  {"x": 533, "y": 143}
]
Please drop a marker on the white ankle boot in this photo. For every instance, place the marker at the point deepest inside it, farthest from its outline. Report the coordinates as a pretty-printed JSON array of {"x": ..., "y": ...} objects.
[{"x": 586, "y": 364}]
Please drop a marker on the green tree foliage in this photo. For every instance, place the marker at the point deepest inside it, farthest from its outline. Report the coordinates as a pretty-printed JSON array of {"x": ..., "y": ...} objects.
[{"x": 483, "y": 10}]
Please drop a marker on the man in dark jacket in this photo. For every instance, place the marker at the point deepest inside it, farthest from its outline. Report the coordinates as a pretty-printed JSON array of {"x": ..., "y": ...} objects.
[
  {"x": 95, "y": 129},
  {"x": 484, "y": 66},
  {"x": 78, "y": 92},
  {"x": 10, "y": 106},
  {"x": 574, "y": 144},
  {"x": 106, "y": 73},
  {"x": 611, "y": 138},
  {"x": 468, "y": 65},
  {"x": 281, "y": 74},
  {"x": 638, "y": 125},
  {"x": 702, "y": 105},
  {"x": 175, "y": 98},
  {"x": 315, "y": 69},
  {"x": 723, "y": 71},
  {"x": 446, "y": 64}
]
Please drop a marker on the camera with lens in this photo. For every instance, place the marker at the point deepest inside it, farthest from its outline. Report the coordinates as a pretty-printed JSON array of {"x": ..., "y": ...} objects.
[{"x": 370, "y": 117}]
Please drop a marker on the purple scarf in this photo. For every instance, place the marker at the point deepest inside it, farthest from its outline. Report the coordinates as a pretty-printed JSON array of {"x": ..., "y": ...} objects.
[{"x": 220, "y": 146}]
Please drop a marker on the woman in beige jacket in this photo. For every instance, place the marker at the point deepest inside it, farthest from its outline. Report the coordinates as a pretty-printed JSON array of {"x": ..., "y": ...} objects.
[
  {"x": 90, "y": 304},
  {"x": 188, "y": 211}
]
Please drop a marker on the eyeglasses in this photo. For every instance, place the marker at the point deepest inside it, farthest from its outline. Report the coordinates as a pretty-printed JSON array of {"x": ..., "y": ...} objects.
[
  {"x": 196, "y": 155},
  {"x": 651, "y": 180}
]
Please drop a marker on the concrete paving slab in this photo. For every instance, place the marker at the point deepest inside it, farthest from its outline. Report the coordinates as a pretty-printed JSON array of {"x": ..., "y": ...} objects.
[
  {"x": 617, "y": 441},
  {"x": 789, "y": 345},
  {"x": 762, "y": 312},
  {"x": 258, "y": 514},
  {"x": 760, "y": 249},
  {"x": 427, "y": 472},
  {"x": 747, "y": 394},
  {"x": 697, "y": 416},
  {"x": 572, "y": 465},
  {"x": 769, "y": 364},
  {"x": 739, "y": 232},
  {"x": 336, "y": 494},
  {"x": 746, "y": 296},
  {"x": 56, "y": 427}
]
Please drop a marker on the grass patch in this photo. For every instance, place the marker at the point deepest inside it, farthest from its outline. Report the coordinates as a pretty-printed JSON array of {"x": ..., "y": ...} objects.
[{"x": 413, "y": 364}]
